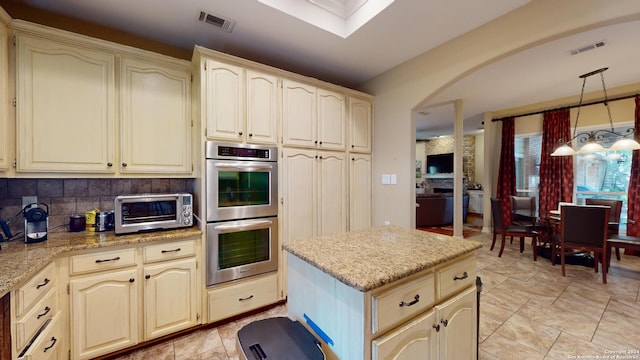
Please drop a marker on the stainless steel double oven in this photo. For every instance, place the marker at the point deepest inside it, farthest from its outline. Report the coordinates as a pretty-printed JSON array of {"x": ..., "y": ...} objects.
[{"x": 242, "y": 210}]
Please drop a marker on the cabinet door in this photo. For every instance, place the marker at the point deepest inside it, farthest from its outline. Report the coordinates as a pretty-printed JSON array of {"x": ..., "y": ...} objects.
[
  {"x": 5, "y": 138},
  {"x": 415, "y": 340},
  {"x": 360, "y": 125},
  {"x": 104, "y": 313},
  {"x": 65, "y": 107},
  {"x": 299, "y": 191},
  {"x": 155, "y": 117},
  {"x": 332, "y": 195},
  {"x": 458, "y": 326},
  {"x": 262, "y": 108},
  {"x": 224, "y": 100},
  {"x": 299, "y": 117},
  {"x": 360, "y": 188},
  {"x": 331, "y": 120},
  {"x": 169, "y": 297}
]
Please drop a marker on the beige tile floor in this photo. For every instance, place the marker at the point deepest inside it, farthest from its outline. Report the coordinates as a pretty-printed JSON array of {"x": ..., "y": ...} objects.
[{"x": 527, "y": 311}]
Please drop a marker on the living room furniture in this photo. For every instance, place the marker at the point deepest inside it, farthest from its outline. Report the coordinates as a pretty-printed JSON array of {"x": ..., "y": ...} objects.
[
  {"x": 523, "y": 203},
  {"x": 511, "y": 230},
  {"x": 437, "y": 209}
]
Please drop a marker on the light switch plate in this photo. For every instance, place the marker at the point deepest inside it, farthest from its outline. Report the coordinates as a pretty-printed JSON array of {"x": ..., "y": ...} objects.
[
  {"x": 394, "y": 179},
  {"x": 386, "y": 179}
]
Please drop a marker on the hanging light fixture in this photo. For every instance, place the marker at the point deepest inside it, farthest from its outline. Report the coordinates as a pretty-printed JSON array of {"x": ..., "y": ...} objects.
[{"x": 591, "y": 139}]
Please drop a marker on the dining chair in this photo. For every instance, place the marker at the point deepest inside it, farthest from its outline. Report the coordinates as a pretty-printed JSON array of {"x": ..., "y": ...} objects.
[
  {"x": 583, "y": 228},
  {"x": 613, "y": 228},
  {"x": 527, "y": 203},
  {"x": 511, "y": 230}
]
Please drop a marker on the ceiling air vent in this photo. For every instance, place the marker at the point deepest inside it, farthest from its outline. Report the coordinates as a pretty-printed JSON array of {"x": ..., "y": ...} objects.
[
  {"x": 588, "y": 47},
  {"x": 217, "y": 21}
]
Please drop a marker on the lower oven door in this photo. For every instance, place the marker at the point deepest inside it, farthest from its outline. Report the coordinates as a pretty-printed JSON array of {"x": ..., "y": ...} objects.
[{"x": 242, "y": 248}]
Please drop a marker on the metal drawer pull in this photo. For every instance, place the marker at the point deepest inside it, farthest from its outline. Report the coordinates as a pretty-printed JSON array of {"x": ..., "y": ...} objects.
[
  {"x": 106, "y": 260},
  {"x": 437, "y": 327},
  {"x": 46, "y": 281},
  {"x": 168, "y": 251},
  {"x": 445, "y": 322},
  {"x": 247, "y": 298},
  {"x": 53, "y": 343},
  {"x": 46, "y": 311},
  {"x": 415, "y": 301},
  {"x": 464, "y": 276}
]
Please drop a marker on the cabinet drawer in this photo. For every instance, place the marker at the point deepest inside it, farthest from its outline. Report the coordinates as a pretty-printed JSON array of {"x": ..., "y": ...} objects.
[
  {"x": 456, "y": 277},
  {"x": 402, "y": 302},
  {"x": 35, "y": 289},
  {"x": 168, "y": 251},
  {"x": 33, "y": 320},
  {"x": 239, "y": 298},
  {"x": 104, "y": 260},
  {"x": 47, "y": 346}
]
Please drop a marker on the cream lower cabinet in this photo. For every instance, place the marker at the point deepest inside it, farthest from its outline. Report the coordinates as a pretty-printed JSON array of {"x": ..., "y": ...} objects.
[
  {"x": 104, "y": 313},
  {"x": 37, "y": 321},
  {"x": 428, "y": 315},
  {"x": 114, "y": 307},
  {"x": 169, "y": 297}
]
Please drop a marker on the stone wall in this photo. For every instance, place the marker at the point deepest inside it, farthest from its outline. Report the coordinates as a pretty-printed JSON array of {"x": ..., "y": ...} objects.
[{"x": 445, "y": 145}]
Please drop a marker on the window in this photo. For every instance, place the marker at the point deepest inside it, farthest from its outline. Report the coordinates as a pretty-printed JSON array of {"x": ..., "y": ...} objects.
[{"x": 527, "y": 153}]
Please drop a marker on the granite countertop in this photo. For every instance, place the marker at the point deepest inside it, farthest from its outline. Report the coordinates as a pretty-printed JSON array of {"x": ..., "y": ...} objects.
[
  {"x": 370, "y": 258},
  {"x": 20, "y": 261}
]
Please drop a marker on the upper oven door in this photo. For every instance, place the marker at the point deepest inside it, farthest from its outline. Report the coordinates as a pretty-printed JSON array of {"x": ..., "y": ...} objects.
[{"x": 241, "y": 189}]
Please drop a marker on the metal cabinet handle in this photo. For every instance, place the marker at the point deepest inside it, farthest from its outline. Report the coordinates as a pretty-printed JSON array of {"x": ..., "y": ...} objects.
[
  {"x": 132, "y": 280},
  {"x": 415, "y": 300},
  {"x": 147, "y": 276},
  {"x": 250, "y": 135},
  {"x": 46, "y": 311},
  {"x": 46, "y": 281},
  {"x": 107, "y": 260},
  {"x": 124, "y": 164},
  {"x": 464, "y": 276},
  {"x": 445, "y": 322},
  {"x": 240, "y": 133},
  {"x": 169, "y": 251},
  {"x": 109, "y": 164},
  {"x": 53, "y": 343},
  {"x": 437, "y": 327},
  {"x": 247, "y": 298}
]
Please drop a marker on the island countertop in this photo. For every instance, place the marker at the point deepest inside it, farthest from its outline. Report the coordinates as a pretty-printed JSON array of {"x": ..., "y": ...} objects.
[
  {"x": 368, "y": 259},
  {"x": 20, "y": 261}
]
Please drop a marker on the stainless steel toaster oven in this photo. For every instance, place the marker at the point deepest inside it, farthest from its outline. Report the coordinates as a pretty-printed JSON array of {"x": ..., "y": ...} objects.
[{"x": 149, "y": 212}]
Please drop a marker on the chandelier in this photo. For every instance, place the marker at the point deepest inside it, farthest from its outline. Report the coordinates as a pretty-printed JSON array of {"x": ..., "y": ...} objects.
[{"x": 591, "y": 139}]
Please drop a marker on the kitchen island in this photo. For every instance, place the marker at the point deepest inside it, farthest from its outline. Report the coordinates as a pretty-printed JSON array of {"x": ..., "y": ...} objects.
[{"x": 385, "y": 292}]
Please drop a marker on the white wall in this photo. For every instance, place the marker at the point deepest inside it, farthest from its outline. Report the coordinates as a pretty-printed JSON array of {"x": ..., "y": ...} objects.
[{"x": 405, "y": 87}]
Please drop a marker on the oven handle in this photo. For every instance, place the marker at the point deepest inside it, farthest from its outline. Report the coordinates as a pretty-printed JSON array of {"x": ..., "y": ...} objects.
[
  {"x": 242, "y": 165},
  {"x": 243, "y": 225}
]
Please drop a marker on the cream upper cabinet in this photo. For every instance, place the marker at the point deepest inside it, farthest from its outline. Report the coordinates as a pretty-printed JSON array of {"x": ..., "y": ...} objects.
[
  {"x": 262, "y": 107},
  {"x": 104, "y": 313},
  {"x": 299, "y": 114},
  {"x": 65, "y": 107},
  {"x": 332, "y": 119},
  {"x": 360, "y": 125},
  {"x": 155, "y": 118},
  {"x": 360, "y": 188},
  {"x": 312, "y": 117},
  {"x": 5, "y": 139},
  {"x": 169, "y": 297},
  {"x": 299, "y": 193},
  {"x": 332, "y": 193},
  {"x": 224, "y": 100}
]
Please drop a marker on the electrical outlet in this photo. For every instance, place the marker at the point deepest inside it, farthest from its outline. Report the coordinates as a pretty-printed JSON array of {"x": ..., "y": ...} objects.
[{"x": 26, "y": 200}]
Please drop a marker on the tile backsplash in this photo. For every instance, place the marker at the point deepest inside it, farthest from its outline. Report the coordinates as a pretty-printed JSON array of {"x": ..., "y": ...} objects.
[{"x": 76, "y": 196}]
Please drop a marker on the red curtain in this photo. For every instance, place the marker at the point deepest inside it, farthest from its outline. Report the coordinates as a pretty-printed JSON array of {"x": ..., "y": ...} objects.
[
  {"x": 507, "y": 170},
  {"x": 633, "y": 202},
  {"x": 556, "y": 173}
]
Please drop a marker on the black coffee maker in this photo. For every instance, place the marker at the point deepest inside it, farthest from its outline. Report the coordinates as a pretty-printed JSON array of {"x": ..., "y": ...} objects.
[{"x": 36, "y": 222}]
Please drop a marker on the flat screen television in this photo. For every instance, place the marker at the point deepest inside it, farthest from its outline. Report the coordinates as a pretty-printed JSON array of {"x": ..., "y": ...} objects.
[{"x": 440, "y": 164}]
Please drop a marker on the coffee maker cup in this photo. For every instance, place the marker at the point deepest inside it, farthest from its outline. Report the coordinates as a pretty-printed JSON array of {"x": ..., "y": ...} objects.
[{"x": 36, "y": 223}]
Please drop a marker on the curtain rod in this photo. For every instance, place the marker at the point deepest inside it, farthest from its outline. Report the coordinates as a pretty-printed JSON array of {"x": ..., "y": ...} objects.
[{"x": 566, "y": 107}]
